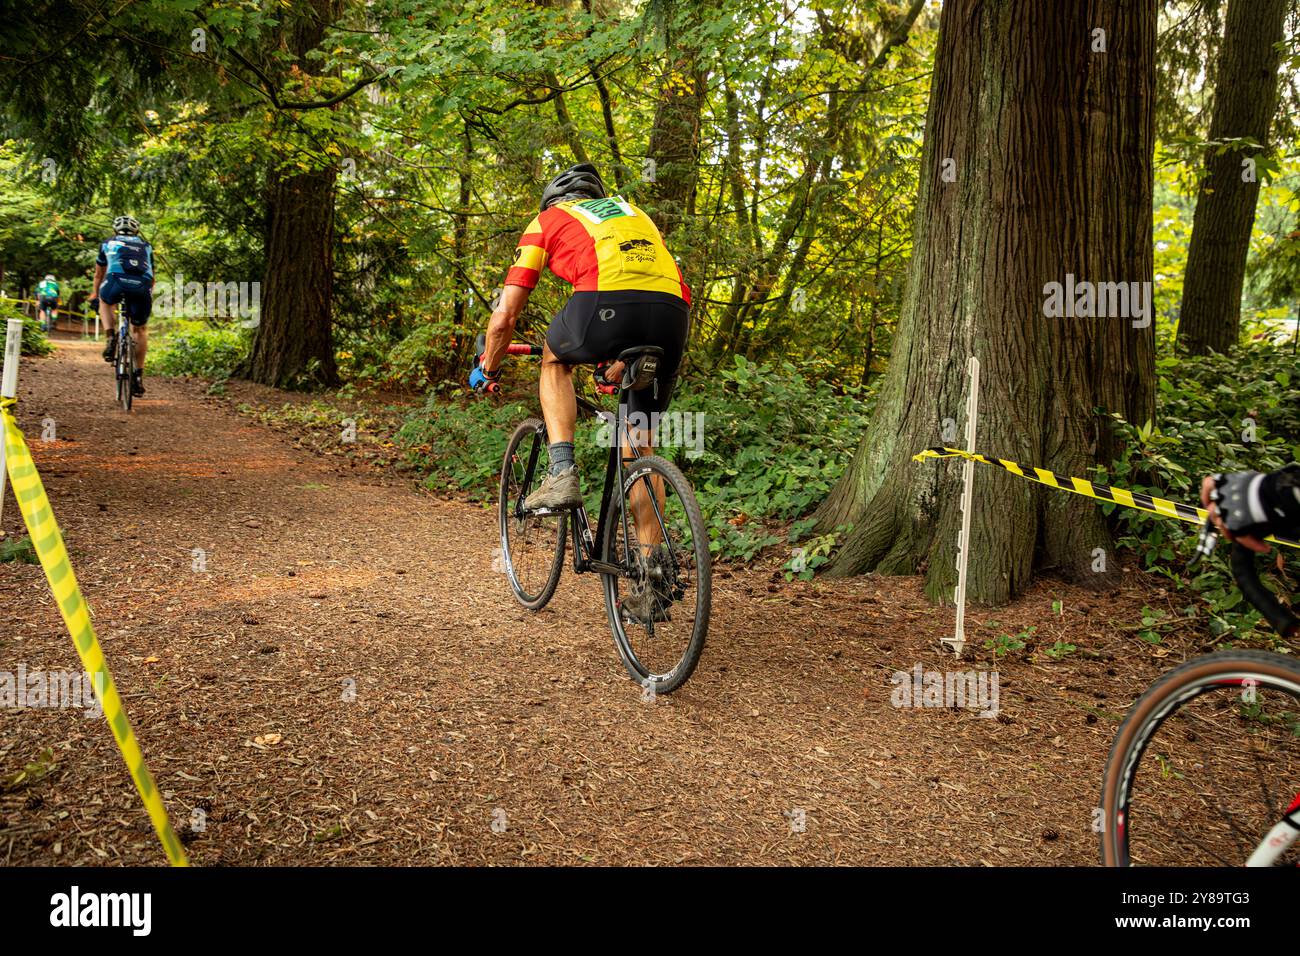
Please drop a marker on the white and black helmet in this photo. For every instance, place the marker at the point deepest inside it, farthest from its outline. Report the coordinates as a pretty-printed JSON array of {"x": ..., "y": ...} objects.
[
  {"x": 49, "y": 278},
  {"x": 126, "y": 226},
  {"x": 576, "y": 182}
]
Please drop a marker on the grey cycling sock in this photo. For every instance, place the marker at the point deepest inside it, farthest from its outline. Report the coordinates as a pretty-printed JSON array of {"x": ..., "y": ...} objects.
[{"x": 561, "y": 456}]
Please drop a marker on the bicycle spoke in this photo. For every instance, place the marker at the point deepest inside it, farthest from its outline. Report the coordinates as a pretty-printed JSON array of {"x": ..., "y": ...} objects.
[
  {"x": 659, "y": 610},
  {"x": 1213, "y": 775}
]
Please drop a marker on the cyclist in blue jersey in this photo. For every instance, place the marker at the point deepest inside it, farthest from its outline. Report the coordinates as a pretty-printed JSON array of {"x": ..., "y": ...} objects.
[{"x": 124, "y": 274}]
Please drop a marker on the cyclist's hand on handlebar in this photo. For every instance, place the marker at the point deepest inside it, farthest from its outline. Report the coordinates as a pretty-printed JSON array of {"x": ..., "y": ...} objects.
[
  {"x": 480, "y": 380},
  {"x": 1239, "y": 527},
  {"x": 606, "y": 376}
]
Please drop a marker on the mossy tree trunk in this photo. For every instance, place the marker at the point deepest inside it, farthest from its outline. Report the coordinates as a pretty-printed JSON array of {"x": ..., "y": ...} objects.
[{"x": 1036, "y": 164}]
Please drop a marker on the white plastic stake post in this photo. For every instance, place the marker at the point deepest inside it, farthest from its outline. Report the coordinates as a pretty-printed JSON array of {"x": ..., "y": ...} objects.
[
  {"x": 958, "y": 641},
  {"x": 9, "y": 389}
]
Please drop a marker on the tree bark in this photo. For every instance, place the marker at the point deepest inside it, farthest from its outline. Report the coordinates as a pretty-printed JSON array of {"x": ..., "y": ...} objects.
[
  {"x": 674, "y": 145},
  {"x": 293, "y": 344},
  {"x": 1051, "y": 146},
  {"x": 1245, "y": 99}
]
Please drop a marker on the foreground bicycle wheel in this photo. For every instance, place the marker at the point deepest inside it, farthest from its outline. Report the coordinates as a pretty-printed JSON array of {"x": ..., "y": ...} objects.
[
  {"x": 1206, "y": 766},
  {"x": 532, "y": 545},
  {"x": 670, "y": 557}
]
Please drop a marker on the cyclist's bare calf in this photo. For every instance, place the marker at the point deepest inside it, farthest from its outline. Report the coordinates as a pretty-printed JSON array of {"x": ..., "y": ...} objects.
[
  {"x": 140, "y": 333},
  {"x": 560, "y": 412},
  {"x": 559, "y": 403},
  {"x": 644, "y": 514}
]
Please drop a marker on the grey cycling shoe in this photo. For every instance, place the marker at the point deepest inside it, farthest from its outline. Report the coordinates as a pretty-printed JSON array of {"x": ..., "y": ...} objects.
[{"x": 556, "y": 492}]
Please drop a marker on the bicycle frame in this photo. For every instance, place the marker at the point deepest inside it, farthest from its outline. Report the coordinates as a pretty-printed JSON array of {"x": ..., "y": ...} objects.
[{"x": 580, "y": 530}]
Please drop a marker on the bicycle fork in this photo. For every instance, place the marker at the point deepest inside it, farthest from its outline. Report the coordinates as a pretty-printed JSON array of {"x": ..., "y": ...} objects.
[{"x": 1279, "y": 838}]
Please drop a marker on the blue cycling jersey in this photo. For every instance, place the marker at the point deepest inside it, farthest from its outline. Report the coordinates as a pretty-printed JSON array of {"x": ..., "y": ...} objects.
[{"x": 127, "y": 256}]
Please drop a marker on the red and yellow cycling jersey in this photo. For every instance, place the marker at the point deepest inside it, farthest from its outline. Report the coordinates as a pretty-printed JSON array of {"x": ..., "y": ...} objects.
[{"x": 597, "y": 245}]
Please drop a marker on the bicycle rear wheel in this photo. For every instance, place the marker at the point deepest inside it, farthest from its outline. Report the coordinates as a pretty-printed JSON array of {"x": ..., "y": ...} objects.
[
  {"x": 670, "y": 556},
  {"x": 125, "y": 367},
  {"x": 1205, "y": 768},
  {"x": 532, "y": 545}
]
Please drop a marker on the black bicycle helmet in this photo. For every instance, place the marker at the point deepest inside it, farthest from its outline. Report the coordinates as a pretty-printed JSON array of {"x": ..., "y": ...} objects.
[{"x": 576, "y": 182}]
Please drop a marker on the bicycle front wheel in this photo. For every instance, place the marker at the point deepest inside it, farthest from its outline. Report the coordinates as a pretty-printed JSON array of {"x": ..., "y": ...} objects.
[
  {"x": 1205, "y": 769},
  {"x": 658, "y": 608},
  {"x": 532, "y": 545}
]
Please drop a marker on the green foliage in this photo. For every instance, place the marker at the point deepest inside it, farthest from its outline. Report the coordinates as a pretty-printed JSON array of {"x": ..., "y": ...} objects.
[
  {"x": 196, "y": 348},
  {"x": 35, "y": 341},
  {"x": 459, "y": 443},
  {"x": 1004, "y": 644},
  {"x": 1215, "y": 414},
  {"x": 1060, "y": 650},
  {"x": 773, "y": 444},
  {"x": 18, "y": 549},
  {"x": 805, "y": 560},
  {"x": 1149, "y": 628}
]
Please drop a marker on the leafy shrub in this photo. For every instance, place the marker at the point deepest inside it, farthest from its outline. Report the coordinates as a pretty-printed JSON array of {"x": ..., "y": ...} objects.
[
  {"x": 208, "y": 351},
  {"x": 1213, "y": 413},
  {"x": 35, "y": 341},
  {"x": 460, "y": 443},
  {"x": 772, "y": 445},
  {"x": 18, "y": 549}
]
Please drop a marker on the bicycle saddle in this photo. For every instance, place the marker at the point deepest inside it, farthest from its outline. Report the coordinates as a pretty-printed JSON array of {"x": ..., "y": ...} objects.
[{"x": 640, "y": 364}]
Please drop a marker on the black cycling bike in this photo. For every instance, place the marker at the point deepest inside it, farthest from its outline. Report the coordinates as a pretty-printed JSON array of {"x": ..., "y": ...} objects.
[
  {"x": 1205, "y": 769},
  {"x": 651, "y": 541}
]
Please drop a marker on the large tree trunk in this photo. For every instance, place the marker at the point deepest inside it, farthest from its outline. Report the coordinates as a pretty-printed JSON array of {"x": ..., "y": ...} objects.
[
  {"x": 1051, "y": 145},
  {"x": 297, "y": 291},
  {"x": 1245, "y": 98},
  {"x": 293, "y": 345}
]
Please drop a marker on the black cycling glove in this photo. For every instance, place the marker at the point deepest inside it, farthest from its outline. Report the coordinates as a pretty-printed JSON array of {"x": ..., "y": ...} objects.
[{"x": 1256, "y": 504}]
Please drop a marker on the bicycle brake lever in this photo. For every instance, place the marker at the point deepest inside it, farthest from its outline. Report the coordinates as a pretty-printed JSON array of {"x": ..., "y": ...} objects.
[{"x": 1206, "y": 542}]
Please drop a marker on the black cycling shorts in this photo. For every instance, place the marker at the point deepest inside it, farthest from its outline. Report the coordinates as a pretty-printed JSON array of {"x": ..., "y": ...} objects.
[
  {"x": 136, "y": 296},
  {"x": 596, "y": 326}
]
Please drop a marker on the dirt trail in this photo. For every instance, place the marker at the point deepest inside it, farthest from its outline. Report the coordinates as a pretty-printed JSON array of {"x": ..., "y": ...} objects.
[{"x": 469, "y": 711}]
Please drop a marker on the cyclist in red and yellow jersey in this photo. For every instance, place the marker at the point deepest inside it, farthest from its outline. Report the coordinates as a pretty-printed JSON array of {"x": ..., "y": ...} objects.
[{"x": 627, "y": 291}]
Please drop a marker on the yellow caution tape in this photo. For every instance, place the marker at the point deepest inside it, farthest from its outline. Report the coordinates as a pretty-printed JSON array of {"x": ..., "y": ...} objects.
[
  {"x": 1090, "y": 489},
  {"x": 48, "y": 542}
]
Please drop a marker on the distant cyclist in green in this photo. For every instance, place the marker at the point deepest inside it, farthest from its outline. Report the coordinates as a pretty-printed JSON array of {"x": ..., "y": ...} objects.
[
  {"x": 47, "y": 302},
  {"x": 124, "y": 274}
]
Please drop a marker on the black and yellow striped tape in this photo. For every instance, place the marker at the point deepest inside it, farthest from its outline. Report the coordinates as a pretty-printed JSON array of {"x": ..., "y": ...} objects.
[
  {"x": 1090, "y": 489},
  {"x": 48, "y": 541}
]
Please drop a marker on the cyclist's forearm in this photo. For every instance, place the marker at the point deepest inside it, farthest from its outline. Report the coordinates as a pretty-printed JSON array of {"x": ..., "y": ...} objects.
[
  {"x": 99, "y": 277},
  {"x": 501, "y": 327}
]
